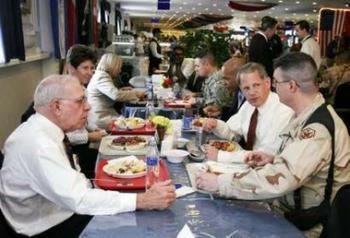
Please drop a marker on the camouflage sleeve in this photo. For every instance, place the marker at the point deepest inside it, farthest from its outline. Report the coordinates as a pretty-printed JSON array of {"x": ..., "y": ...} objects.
[
  {"x": 223, "y": 96},
  {"x": 300, "y": 159}
]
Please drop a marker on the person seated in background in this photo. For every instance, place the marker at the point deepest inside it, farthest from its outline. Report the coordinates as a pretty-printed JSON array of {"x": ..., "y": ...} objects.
[
  {"x": 229, "y": 98},
  {"x": 205, "y": 67},
  {"x": 80, "y": 62},
  {"x": 102, "y": 94},
  {"x": 41, "y": 190},
  {"x": 335, "y": 76},
  {"x": 181, "y": 68},
  {"x": 259, "y": 121},
  {"x": 235, "y": 49},
  {"x": 303, "y": 159},
  {"x": 194, "y": 85}
]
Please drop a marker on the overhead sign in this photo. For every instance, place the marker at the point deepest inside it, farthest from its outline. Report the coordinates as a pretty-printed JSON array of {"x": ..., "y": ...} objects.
[{"x": 163, "y": 4}]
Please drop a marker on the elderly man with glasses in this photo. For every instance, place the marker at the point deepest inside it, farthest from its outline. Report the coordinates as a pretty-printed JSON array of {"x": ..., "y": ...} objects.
[{"x": 41, "y": 192}]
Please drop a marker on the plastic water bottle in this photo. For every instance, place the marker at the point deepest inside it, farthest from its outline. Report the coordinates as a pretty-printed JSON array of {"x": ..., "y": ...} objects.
[
  {"x": 177, "y": 90},
  {"x": 150, "y": 113},
  {"x": 149, "y": 87},
  {"x": 152, "y": 162}
]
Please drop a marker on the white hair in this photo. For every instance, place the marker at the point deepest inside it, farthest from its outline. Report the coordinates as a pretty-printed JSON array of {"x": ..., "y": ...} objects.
[{"x": 52, "y": 87}]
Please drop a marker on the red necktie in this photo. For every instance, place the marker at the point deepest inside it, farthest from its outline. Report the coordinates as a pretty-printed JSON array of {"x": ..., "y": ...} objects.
[{"x": 251, "y": 130}]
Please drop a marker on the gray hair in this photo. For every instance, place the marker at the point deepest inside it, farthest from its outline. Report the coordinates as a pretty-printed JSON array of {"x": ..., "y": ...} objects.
[
  {"x": 109, "y": 62},
  {"x": 299, "y": 67},
  {"x": 250, "y": 68},
  {"x": 52, "y": 87}
]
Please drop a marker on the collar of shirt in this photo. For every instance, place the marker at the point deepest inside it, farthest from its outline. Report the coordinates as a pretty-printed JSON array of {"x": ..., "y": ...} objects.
[
  {"x": 306, "y": 38},
  {"x": 301, "y": 119},
  {"x": 262, "y": 33},
  {"x": 271, "y": 98},
  {"x": 52, "y": 127}
]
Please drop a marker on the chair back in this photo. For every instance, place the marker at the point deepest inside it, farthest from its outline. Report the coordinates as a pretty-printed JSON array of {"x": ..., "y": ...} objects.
[
  {"x": 1, "y": 158},
  {"x": 338, "y": 225}
]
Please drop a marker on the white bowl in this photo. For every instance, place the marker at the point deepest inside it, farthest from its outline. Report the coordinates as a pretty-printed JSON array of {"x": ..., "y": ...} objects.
[
  {"x": 175, "y": 156},
  {"x": 181, "y": 142}
]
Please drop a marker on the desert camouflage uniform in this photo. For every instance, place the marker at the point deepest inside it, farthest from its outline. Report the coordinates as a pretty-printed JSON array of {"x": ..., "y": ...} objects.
[{"x": 302, "y": 161}]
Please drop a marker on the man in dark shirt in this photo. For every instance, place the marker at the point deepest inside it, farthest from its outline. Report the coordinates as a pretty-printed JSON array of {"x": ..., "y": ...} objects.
[{"x": 259, "y": 49}]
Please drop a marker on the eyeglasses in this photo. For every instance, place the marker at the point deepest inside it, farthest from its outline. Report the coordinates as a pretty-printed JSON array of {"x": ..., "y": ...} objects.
[
  {"x": 275, "y": 82},
  {"x": 80, "y": 100}
]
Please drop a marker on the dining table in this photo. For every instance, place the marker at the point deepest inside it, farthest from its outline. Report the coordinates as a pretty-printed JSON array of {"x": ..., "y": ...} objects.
[{"x": 204, "y": 214}]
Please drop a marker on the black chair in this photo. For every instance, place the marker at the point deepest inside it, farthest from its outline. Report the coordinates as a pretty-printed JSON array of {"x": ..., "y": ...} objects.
[
  {"x": 338, "y": 225},
  {"x": 342, "y": 103},
  {"x": 1, "y": 158}
]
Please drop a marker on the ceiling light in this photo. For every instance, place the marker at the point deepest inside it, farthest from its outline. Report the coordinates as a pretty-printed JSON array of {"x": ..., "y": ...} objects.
[
  {"x": 180, "y": 7},
  {"x": 210, "y": 13},
  {"x": 280, "y": 1},
  {"x": 185, "y": 3},
  {"x": 294, "y": 14},
  {"x": 314, "y": 3},
  {"x": 219, "y": 10},
  {"x": 297, "y": 2},
  {"x": 255, "y": 16},
  {"x": 273, "y": 8},
  {"x": 214, "y": 4},
  {"x": 347, "y": 4},
  {"x": 199, "y": 4},
  {"x": 314, "y": 10},
  {"x": 263, "y": 0},
  {"x": 193, "y": 8},
  {"x": 306, "y": 15},
  {"x": 206, "y": 9},
  {"x": 286, "y": 9}
]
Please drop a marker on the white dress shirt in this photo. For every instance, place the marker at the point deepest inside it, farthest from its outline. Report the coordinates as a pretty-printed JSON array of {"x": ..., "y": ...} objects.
[
  {"x": 311, "y": 47},
  {"x": 273, "y": 116},
  {"x": 38, "y": 187}
]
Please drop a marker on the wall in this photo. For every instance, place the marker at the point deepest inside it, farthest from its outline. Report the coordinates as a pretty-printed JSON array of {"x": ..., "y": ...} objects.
[{"x": 17, "y": 85}]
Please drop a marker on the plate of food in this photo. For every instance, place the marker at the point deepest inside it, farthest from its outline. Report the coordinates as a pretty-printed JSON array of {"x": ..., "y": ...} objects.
[
  {"x": 130, "y": 123},
  {"x": 127, "y": 167},
  {"x": 124, "y": 145},
  {"x": 128, "y": 143},
  {"x": 198, "y": 122},
  {"x": 224, "y": 145}
]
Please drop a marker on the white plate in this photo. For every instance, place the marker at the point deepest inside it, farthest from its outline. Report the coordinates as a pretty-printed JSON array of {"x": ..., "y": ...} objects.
[
  {"x": 106, "y": 147},
  {"x": 119, "y": 161},
  {"x": 127, "y": 123}
]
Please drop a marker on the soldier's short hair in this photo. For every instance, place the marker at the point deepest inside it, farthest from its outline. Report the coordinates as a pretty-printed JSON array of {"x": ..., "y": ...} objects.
[
  {"x": 300, "y": 67},
  {"x": 208, "y": 55},
  {"x": 250, "y": 68}
]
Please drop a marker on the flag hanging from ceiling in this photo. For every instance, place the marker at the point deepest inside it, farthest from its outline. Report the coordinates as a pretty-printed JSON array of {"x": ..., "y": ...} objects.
[
  {"x": 163, "y": 4},
  {"x": 332, "y": 23}
]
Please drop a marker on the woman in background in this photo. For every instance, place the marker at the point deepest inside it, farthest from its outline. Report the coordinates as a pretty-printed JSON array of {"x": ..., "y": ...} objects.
[{"x": 102, "y": 93}]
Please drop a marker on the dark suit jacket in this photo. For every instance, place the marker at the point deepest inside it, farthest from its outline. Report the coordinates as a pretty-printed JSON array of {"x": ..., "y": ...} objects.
[{"x": 260, "y": 52}]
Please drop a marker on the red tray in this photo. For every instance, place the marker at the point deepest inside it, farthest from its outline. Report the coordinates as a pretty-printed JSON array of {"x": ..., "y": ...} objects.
[
  {"x": 177, "y": 104},
  {"x": 140, "y": 131},
  {"x": 104, "y": 181}
]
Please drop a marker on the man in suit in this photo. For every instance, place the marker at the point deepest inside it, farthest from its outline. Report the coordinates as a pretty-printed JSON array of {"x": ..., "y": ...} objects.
[{"x": 259, "y": 50}]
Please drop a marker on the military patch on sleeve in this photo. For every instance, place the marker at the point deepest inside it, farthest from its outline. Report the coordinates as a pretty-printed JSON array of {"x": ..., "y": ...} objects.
[{"x": 307, "y": 133}]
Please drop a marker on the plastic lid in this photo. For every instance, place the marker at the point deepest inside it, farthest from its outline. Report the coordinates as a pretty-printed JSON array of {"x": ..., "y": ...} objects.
[{"x": 151, "y": 160}]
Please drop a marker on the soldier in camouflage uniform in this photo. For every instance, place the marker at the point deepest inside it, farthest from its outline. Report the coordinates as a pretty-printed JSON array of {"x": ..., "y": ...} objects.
[{"x": 305, "y": 152}]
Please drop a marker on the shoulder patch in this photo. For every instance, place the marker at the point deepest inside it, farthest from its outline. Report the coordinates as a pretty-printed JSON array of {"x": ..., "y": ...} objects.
[{"x": 307, "y": 133}]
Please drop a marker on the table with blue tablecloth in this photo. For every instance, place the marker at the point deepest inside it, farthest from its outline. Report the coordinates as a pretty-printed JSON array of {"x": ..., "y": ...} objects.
[{"x": 205, "y": 215}]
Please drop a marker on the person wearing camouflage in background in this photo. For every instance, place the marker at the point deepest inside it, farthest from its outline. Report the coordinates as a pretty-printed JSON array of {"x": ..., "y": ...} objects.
[
  {"x": 305, "y": 152},
  {"x": 226, "y": 90}
]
